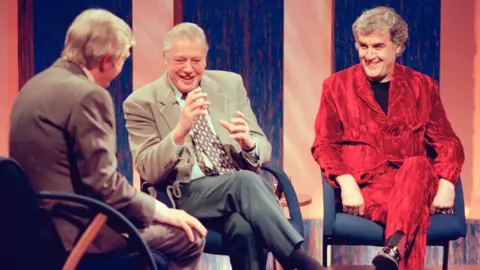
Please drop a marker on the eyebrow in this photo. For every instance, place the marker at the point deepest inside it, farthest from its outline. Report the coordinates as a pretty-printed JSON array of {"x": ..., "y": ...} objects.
[{"x": 373, "y": 45}]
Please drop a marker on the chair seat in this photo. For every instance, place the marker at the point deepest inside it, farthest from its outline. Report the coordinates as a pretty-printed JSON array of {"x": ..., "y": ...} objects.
[
  {"x": 214, "y": 242},
  {"x": 354, "y": 230}
]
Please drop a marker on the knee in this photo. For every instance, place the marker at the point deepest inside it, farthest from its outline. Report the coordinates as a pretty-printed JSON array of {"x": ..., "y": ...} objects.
[
  {"x": 199, "y": 244},
  {"x": 238, "y": 228},
  {"x": 191, "y": 249}
]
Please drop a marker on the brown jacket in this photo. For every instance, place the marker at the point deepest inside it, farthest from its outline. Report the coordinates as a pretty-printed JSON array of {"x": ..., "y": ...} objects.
[
  {"x": 63, "y": 135},
  {"x": 152, "y": 112}
]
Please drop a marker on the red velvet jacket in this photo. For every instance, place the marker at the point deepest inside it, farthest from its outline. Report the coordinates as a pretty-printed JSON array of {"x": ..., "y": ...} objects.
[{"x": 354, "y": 135}]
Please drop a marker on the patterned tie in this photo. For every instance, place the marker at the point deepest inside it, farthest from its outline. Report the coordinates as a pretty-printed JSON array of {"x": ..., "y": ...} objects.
[{"x": 206, "y": 142}]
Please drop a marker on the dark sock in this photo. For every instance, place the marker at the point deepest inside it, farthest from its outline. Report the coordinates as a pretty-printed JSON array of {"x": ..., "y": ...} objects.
[
  {"x": 398, "y": 239},
  {"x": 299, "y": 259}
]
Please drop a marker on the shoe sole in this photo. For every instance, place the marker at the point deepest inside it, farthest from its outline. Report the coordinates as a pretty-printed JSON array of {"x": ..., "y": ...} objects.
[{"x": 382, "y": 262}]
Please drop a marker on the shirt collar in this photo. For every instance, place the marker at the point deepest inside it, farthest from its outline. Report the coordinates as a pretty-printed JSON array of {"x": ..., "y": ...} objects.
[
  {"x": 88, "y": 73},
  {"x": 178, "y": 94}
]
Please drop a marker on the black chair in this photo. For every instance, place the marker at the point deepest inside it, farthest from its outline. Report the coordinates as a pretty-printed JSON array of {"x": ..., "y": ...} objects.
[
  {"x": 214, "y": 239},
  {"x": 345, "y": 229},
  {"x": 28, "y": 242}
]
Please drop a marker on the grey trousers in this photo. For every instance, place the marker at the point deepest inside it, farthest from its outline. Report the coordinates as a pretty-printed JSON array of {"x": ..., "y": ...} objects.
[
  {"x": 245, "y": 250},
  {"x": 174, "y": 244},
  {"x": 248, "y": 194}
]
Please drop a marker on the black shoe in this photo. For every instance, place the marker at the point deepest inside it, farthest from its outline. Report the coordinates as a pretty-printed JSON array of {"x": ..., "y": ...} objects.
[{"x": 387, "y": 259}]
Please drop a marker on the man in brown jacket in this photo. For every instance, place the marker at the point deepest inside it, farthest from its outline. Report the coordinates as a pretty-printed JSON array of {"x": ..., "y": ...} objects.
[{"x": 63, "y": 135}]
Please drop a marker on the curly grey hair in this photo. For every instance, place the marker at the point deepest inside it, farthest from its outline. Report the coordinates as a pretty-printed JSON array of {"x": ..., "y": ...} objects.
[{"x": 381, "y": 19}]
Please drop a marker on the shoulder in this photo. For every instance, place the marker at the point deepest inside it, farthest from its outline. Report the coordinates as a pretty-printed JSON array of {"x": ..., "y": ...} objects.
[
  {"x": 415, "y": 76},
  {"x": 341, "y": 79},
  {"x": 147, "y": 93},
  {"x": 221, "y": 76},
  {"x": 343, "y": 75}
]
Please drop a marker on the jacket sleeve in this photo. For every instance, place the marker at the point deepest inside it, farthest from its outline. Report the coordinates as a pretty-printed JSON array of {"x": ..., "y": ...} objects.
[
  {"x": 263, "y": 147},
  {"x": 326, "y": 148},
  {"x": 92, "y": 127},
  {"x": 154, "y": 157},
  {"x": 440, "y": 135}
]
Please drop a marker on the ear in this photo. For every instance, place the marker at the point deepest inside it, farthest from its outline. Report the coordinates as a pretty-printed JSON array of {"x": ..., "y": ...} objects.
[
  {"x": 164, "y": 57},
  {"x": 105, "y": 62},
  {"x": 399, "y": 49}
]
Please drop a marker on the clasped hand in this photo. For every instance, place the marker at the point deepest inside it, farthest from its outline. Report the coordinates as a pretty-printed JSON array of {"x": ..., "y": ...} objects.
[
  {"x": 444, "y": 199},
  {"x": 353, "y": 202},
  {"x": 195, "y": 106}
]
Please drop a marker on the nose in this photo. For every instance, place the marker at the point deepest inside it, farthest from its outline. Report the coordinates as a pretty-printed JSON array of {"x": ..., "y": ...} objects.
[
  {"x": 188, "y": 67},
  {"x": 370, "y": 54}
]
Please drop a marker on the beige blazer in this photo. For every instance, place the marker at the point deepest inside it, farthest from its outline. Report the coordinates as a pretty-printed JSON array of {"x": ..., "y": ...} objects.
[
  {"x": 152, "y": 112},
  {"x": 63, "y": 135}
]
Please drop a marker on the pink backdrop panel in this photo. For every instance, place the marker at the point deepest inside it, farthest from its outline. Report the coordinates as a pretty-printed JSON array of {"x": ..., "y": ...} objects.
[
  {"x": 308, "y": 61},
  {"x": 460, "y": 88},
  {"x": 8, "y": 67},
  {"x": 151, "y": 21}
]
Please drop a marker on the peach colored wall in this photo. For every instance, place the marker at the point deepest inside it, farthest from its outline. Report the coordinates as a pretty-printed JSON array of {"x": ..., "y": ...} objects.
[
  {"x": 8, "y": 67},
  {"x": 307, "y": 62},
  {"x": 460, "y": 87},
  {"x": 151, "y": 21},
  {"x": 474, "y": 202}
]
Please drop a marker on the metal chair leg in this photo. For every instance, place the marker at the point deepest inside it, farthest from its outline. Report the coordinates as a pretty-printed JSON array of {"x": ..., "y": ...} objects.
[
  {"x": 446, "y": 248},
  {"x": 324, "y": 254}
]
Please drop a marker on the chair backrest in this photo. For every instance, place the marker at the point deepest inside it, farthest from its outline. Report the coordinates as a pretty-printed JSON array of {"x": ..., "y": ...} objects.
[
  {"x": 21, "y": 242},
  {"x": 459, "y": 208}
]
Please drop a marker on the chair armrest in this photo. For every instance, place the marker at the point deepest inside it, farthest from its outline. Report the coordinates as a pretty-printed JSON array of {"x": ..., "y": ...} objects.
[
  {"x": 290, "y": 196},
  {"x": 459, "y": 207},
  {"x": 329, "y": 209},
  {"x": 110, "y": 213}
]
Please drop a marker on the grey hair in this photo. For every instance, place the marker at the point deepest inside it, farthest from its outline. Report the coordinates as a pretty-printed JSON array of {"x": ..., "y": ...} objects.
[
  {"x": 184, "y": 30},
  {"x": 381, "y": 19},
  {"x": 95, "y": 33}
]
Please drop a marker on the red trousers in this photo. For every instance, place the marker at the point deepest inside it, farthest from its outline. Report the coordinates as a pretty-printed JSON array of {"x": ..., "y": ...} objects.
[{"x": 401, "y": 198}]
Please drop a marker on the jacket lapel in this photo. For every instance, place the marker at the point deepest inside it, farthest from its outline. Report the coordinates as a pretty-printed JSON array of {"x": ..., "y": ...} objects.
[
  {"x": 364, "y": 90},
  {"x": 398, "y": 89},
  {"x": 218, "y": 109},
  {"x": 169, "y": 108}
]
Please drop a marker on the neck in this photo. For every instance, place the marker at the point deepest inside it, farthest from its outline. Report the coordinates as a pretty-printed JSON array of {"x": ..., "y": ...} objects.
[{"x": 97, "y": 76}]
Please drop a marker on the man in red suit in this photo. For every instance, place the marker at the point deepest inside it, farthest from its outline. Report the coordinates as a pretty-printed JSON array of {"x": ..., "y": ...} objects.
[{"x": 373, "y": 127}]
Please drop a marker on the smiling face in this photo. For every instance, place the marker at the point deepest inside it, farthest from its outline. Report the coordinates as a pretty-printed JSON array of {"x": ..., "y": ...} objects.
[
  {"x": 377, "y": 55},
  {"x": 185, "y": 63}
]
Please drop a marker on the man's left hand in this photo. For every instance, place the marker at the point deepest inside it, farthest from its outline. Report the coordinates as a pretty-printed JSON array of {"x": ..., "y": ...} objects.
[
  {"x": 239, "y": 130},
  {"x": 443, "y": 201}
]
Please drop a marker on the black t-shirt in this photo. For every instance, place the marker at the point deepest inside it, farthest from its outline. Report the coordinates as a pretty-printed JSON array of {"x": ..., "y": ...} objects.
[{"x": 380, "y": 90}]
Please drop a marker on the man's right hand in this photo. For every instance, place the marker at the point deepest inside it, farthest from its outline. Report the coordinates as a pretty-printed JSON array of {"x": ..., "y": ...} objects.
[
  {"x": 181, "y": 219},
  {"x": 194, "y": 106},
  {"x": 352, "y": 198}
]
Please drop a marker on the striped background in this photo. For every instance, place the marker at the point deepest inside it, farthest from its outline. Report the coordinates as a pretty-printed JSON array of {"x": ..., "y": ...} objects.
[{"x": 283, "y": 50}]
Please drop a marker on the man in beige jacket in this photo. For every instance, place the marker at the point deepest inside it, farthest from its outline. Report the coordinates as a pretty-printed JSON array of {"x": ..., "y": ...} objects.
[{"x": 194, "y": 135}]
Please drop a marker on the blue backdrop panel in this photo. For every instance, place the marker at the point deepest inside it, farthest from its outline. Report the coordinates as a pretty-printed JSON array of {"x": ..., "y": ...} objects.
[{"x": 246, "y": 37}]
